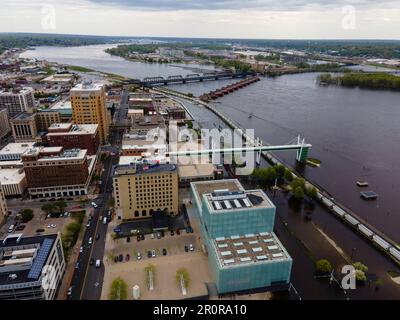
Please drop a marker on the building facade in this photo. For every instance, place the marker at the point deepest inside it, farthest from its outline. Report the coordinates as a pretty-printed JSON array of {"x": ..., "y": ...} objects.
[
  {"x": 3, "y": 206},
  {"x": 44, "y": 119},
  {"x": 4, "y": 123},
  {"x": 17, "y": 101},
  {"x": 13, "y": 182},
  {"x": 237, "y": 231},
  {"x": 24, "y": 127},
  {"x": 73, "y": 136},
  {"x": 88, "y": 102},
  {"x": 55, "y": 172},
  {"x": 140, "y": 190},
  {"x": 31, "y": 268}
]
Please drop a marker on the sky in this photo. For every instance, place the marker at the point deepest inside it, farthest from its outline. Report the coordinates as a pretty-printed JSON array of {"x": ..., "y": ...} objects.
[{"x": 260, "y": 19}]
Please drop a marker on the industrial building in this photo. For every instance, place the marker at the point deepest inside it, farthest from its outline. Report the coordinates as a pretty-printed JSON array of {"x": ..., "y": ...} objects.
[{"x": 237, "y": 232}]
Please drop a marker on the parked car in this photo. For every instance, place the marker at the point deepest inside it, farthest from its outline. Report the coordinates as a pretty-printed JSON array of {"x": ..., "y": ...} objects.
[
  {"x": 11, "y": 228},
  {"x": 98, "y": 236},
  {"x": 152, "y": 236},
  {"x": 20, "y": 227},
  {"x": 91, "y": 262},
  {"x": 98, "y": 263},
  {"x": 90, "y": 240},
  {"x": 94, "y": 205},
  {"x": 138, "y": 238},
  {"x": 120, "y": 258},
  {"x": 139, "y": 256},
  {"x": 81, "y": 249},
  {"x": 77, "y": 265},
  {"x": 158, "y": 235},
  {"x": 88, "y": 225},
  {"x": 186, "y": 248},
  {"x": 127, "y": 257},
  {"x": 178, "y": 232},
  {"x": 69, "y": 293},
  {"x": 153, "y": 253},
  {"x": 149, "y": 254},
  {"x": 172, "y": 232},
  {"x": 162, "y": 233},
  {"x": 164, "y": 252},
  {"x": 142, "y": 237},
  {"x": 40, "y": 230},
  {"x": 191, "y": 247},
  {"x": 128, "y": 239}
]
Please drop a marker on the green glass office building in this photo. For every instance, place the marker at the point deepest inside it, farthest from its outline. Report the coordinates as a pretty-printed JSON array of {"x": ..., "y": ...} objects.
[{"x": 237, "y": 231}]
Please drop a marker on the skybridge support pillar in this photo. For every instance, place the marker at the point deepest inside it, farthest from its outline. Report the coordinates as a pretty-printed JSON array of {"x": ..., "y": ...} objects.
[{"x": 302, "y": 153}]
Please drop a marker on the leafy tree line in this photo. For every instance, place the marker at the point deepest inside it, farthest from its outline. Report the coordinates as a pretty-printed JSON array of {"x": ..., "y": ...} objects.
[{"x": 378, "y": 80}]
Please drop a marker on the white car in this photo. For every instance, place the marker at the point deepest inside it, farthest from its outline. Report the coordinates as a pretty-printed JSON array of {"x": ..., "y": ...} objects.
[
  {"x": 98, "y": 263},
  {"x": 81, "y": 250},
  {"x": 90, "y": 240},
  {"x": 139, "y": 256},
  {"x": 153, "y": 253},
  {"x": 94, "y": 205},
  {"x": 191, "y": 248}
]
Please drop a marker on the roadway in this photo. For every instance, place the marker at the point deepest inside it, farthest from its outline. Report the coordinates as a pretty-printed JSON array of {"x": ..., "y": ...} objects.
[{"x": 87, "y": 279}]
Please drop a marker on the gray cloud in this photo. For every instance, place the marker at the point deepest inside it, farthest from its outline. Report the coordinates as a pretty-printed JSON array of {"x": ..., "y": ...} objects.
[{"x": 289, "y": 5}]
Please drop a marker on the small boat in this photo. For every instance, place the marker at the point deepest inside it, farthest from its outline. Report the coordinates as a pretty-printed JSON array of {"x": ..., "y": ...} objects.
[
  {"x": 369, "y": 195},
  {"x": 250, "y": 115},
  {"x": 362, "y": 183}
]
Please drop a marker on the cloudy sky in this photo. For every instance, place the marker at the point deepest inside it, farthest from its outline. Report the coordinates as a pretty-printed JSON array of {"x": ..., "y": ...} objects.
[{"x": 268, "y": 19}]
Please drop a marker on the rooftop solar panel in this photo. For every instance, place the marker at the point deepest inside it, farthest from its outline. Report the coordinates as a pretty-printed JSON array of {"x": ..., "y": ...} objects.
[{"x": 40, "y": 259}]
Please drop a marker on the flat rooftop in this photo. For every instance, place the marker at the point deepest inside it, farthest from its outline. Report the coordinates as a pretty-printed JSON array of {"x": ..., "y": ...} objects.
[
  {"x": 195, "y": 171},
  {"x": 88, "y": 86},
  {"x": 203, "y": 187},
  {"x": 24, "y": 116},
  {"x": 74, "y": 129},
  {"x": 140, "y": 169},
  {"x": 58, "y": 153},
  {"x": 16, "y": 148},
  {"x": 11, "y": 176},
  {"x": 30, "y": 253},
  {"x": 238, "y": 250},
  {"x": 62, "y": 105}
]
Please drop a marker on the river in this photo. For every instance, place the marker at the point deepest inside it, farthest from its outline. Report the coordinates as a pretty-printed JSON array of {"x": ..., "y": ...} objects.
[{"x": 354, "y": 132}]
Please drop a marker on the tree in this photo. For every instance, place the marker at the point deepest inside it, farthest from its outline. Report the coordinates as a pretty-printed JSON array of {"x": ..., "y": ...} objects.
[
  {"x": 48, "y": 208},
  {"x": 360, "y": 266},
  {"x": 190, "y": 124},
  {"x": 298, "y": 182},
  {"x": 360, "y": 276},
  {"x": 118, "y": 290},
  {"x": 185, "y": 274},
  {"x": 312, "y": 192},
  {"x": 280, "y": 171},
  {"x": 61, "y": 205},
  {"x": 324, "y": 266},
  {"x": 26, "y": 215},
  {"x": 298, "y": 193},
  {"x": 288, "y": 176}
]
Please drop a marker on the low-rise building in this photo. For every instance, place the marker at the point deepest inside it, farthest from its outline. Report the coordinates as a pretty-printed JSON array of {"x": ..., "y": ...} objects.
[
  {"x": 55, "y": 172},
  {"x": 31, "y": 268},
  {"x": 64, "y": 108},
  {"x": 10, "y": 155},
  {"x": 237, "y": 231},
  {"x": 24, "y": 127},
  {"x": 143, "y": 188},
  {"x": 73, "y": 136},
  {"x": 45, "y": 118},
  {"x": 64, "y": 79},
  {"x": 13, "y": 182}
]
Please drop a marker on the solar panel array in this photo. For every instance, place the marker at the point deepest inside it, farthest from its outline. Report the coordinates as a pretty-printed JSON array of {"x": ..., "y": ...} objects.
[{"x": 40, "y": 259}]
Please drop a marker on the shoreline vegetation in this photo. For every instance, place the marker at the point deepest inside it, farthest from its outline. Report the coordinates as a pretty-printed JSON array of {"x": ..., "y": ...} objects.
[
  {"x": 111, "y": 76},
  {"x": 367, "y": 80}
]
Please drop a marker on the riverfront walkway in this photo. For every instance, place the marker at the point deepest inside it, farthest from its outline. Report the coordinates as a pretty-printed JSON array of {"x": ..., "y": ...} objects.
[{"x": 382, "y": 242}]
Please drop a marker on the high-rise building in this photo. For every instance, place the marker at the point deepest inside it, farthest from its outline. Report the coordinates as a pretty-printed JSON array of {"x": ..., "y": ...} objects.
[
  {"x": 45, "y": 118},
  {"x": 17, "y": 101},
  {"x": 4, "y": 123},
  {"x": 74, "y": 136},
  {"x": 237, "y": 232},
  {"x": 89, "y": 107},
  {"x": 55, "y": 172},
  {"x": 142, "y": 189}
]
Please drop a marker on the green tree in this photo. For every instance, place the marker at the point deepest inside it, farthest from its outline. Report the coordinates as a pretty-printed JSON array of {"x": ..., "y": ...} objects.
[
  {"x": 312, "y": 192},
  {"x": 360, "y": 276},
  {"x": 26, "y": 215},
  {"x": 298, "y": 193},
  {"x": 118, "y": 290},
  {"x": 280, "y": 171},
  {"x": 48, "y": 208},
  {"x": 185, "y": 274},
  {"x": 324, "y": 266},
  {"x": 288, "y": 176},
  {"x": 360, "y": 266},
  {"x": 61, "y": 205},
  {"x": 190, "y": 124}
]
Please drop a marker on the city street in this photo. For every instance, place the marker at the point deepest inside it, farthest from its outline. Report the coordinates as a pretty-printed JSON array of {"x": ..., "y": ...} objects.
[{"x": 87, "y": 279}]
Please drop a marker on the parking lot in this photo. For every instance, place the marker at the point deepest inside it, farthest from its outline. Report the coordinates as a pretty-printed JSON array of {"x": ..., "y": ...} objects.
[{"x": 39, "y": 222}]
